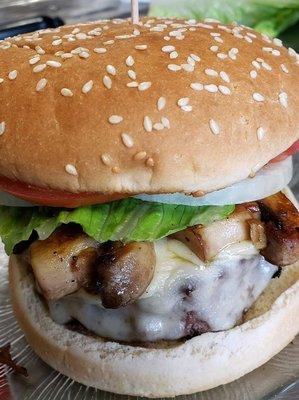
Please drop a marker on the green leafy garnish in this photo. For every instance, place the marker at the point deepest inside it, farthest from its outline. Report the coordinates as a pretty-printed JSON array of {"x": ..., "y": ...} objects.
[{"x": 126, "y": 220}]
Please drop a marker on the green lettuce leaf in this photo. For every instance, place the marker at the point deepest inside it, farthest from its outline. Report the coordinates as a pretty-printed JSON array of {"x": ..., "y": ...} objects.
[
  {"x": 267, "y": 16},
  {"x": 125, "y": 220}
]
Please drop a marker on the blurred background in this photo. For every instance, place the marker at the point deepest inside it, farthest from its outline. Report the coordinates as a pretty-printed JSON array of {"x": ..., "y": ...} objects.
[{"x": 273, "y": 17}]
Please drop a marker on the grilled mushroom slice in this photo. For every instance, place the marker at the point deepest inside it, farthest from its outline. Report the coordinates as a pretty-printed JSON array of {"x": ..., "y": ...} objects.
[{"x": 124, "y": 272}]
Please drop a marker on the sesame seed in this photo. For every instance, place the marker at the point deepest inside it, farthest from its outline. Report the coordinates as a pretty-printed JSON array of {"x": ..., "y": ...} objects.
[
  {"x": 276, "y": 53},
  {"x": 107, "y": 82},
  {"x": 211, "y": 88},
  {"x": 115, "y": 119},
  {"x": 66, "y": 55},
  {"x": 196, "y": 86},
  {"x": 188, "y": 67},
  {"x": 144, "y": 86},
  {"x": 56, "y": 42},
  {"x": 39, "y": 50},
  {"x": 81, "y": 36},
  {"x": 161, "y": 103},
  {"x": 224, "y": 76},
  {"x": 84, "y": 54},
  {"x": 127, "y": 140},
  {"x": 214, "y": 127},
  {"x": 100, "y": 50},
  {"x": 190, "y": 61},
  {"x": 238, "y": 35},
  {"x": 140, "y": 155},
  {"x": 106, "y": 159},
  {"x": 108, "y": 42},
  {"x": 258, "y": 97},
  {"x": 174, "y": 67},
  {"x": 292, "y": 52},
  {"x": 132, "y": 74},
  {"x": 232, "y": 56},
  {"x": 251, "y": 35},
  {"x": 248, "y": 39},
  {"x": 284, "y": 68},
  {"x": 222, "y": 56},
  {"x": 132, "y": 84},
  {"x": 141, "y": 47},
  {"x": 12, "y": 75},
  {"x": 283, "y": 99},
  {"x": 158, "y": 126},
  {"x": 218, "y": 39},
  {"x": 267, "y": 49},
  {"x": 211, "y": 72},
  {"x": 1, "y": 80},
  {"x": 75, "y": 31},
  {"x": 253, "y": 74},
  {"x": 213, "y": 20},
  {"x": 39, "y": 68},
  {"x": 195, "y": 57},
  {"x": 165, "y": 121},
  {"x": 168, "y": 49},
  {"x": 87, "y": 87},
  {"x": 173, "y": 55},
  {"x": 130, "y": 61},
  {"x": 206, "y": 26},
  {"x": 2, "y": 127},
  {"x": 266, "y": 66},
  {"x": 54, "y": 64},
  {"x": 66, "y": 92},
  {"x": 111, "y": 69},
  {"x": 214, "y": 48},
  {"x": 277, "y": 42},
  {"x": 215, "y": 34},
  {"x": 41, "y": 84},
  {"x": 187, "y": 108},
  {"x": 34, "y": 60},
  {"x": 147, "y": 124},
  {"x": 256, "y": 64},
  {"x": 260, "y": 133},
  {"x": 150, "y": 162},
  {"x": 122, "y": 36},
  {"x": 136, "y": 32},
  {"x": 71, "y": 169},
  {"x": 167, "y": 38},
  {"x": 224, "y": 90},
  {"x": 183, "y": 101}
]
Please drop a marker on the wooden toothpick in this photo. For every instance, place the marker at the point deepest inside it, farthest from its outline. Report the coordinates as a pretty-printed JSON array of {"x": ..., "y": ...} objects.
[{"x": 135, "y": 11}]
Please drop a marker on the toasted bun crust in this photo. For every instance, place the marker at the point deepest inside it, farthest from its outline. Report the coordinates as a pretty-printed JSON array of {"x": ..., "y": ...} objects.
[
  {"x": 198, "y": 364},
  {"x": 61, "y": 86}
]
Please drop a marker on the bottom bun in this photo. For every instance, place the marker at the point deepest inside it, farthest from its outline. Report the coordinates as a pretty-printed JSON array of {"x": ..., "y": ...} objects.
[{"x": 191, "y": 366}]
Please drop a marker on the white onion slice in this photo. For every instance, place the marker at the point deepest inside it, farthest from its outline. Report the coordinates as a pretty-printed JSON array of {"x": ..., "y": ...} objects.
[{"x": 269, "y": 180}]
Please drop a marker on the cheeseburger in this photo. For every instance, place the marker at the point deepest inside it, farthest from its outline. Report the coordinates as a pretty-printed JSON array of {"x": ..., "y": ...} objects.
[{"x": 153, "y": 242}]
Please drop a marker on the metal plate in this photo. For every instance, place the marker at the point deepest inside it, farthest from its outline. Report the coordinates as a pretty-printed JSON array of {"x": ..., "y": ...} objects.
[{"x": 274, "y": 380}]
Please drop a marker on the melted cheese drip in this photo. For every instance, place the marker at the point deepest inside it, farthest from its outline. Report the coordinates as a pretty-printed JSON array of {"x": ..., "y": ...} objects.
[{"x": 184, "y": 298}]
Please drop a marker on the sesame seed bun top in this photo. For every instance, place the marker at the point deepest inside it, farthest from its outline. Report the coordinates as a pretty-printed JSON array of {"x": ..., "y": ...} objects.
[{"x": 163, "y": 106}]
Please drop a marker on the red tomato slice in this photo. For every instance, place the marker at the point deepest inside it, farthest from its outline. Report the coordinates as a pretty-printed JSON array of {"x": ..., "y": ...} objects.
[
  {"x": 289, "y": 152},
  {"x": 54, "y": 198}
]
